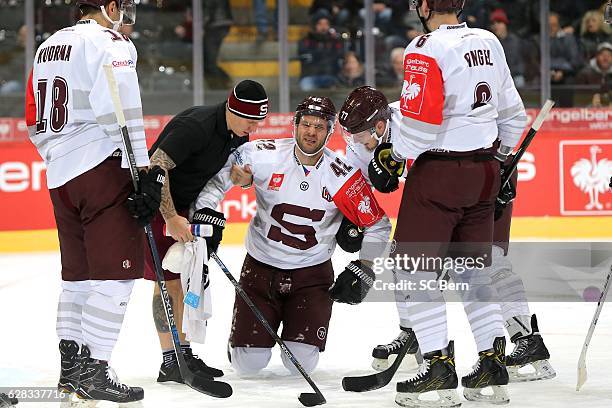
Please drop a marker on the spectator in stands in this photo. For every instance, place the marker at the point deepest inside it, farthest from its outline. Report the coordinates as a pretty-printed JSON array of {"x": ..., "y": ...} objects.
[
  {"x": 512, "y": 46},
  {"x": 320, "y": 54},
  {"x": 340, "y": 14},
  {"x": 352, "y": 74},
  {"x": 217, "y": 22},
  {"x": 393, "y": 75},
  {"x": 599, "y": 72},
  {"x": 11, "y": 65},
  {"x": 565, "y": 60},
  {"x": 264, "y": 27},
  {"x": 382, "y": 15},
  {"x": 593, "y": 31},
  {"x": 476, "y": 12}
]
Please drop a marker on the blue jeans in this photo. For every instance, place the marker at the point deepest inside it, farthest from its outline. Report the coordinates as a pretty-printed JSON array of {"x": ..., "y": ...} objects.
[{"x": 261, "y": 16}]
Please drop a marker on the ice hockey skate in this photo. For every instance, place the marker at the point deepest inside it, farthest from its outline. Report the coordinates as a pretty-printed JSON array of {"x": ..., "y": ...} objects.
[
  {"x": 384, "y": 354},
  {"x": 6, "y": 401},
  {"x": 489, "y": 371},
  {"x": 529, "y": 359},
  {"x": 436, "y": 374},
  {"x": 70, "y": 366},
  {"x": 98, "y": 381}
]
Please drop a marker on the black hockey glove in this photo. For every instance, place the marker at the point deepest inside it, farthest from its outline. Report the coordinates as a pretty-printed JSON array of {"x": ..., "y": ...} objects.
[
  {"x": 143, "y": 205},
  {"x": 384, "y": 171},
  {"x": 217, "y": 220},
  {"x": 349, "y": 236},
  {"x": 353, "y": 284},
  {"x": 507, "y": 194}
]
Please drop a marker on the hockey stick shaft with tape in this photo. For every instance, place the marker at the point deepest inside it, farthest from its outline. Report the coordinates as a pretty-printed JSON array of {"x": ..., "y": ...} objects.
[
  {"x": 582, "y": 371},
  {"x": 535, "y": 127},
  {"x": 204, "y": 385}
]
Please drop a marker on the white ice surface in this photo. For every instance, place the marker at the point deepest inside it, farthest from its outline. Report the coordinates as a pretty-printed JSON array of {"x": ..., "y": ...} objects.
[{"x": 29, "y": 289}]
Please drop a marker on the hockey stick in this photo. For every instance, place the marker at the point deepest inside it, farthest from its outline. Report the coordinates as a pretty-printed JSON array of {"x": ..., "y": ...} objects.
[
  {"x": 377, "y": 380},
  {"x": 201, "y": 384},
  {"x": 582, "y": 371},
  {"x": 537, "y": 123},
  {"x": 308, "y": 399}
]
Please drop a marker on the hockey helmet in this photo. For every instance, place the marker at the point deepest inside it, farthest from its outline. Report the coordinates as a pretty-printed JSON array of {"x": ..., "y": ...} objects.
[
  {"x": 362, "y": 109},
  {"x": 127, "y": 10},
  {"x": 320, "y": 106},
  {"x": 437, "y": 6}
]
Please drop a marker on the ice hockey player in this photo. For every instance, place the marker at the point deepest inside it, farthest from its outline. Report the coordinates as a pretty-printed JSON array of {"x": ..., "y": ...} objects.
[
  {"x": 368, "y": 120},
  {"x": 71, "y": 120},
  {"x": 192, "y": 148},
  {"x": 303, "y": 189},
  {"x": 457, "y": 99}
]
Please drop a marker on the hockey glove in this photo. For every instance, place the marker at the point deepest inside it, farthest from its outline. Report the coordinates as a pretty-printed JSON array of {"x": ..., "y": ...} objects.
[
  {"x": 507, "y": 194},
  {"x": 384, "y": 171},
  {"x": 143, "y": 205},
  {"x": 217, "y": 220},
  {"x": 349, "y": 236},
  {"x": 353, "y": 284}
]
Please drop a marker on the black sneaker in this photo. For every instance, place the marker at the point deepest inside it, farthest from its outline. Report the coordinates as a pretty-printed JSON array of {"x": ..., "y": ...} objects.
[
  {"x": 530, "y": 351},
  {"x": 489, "y": 371},
  {"x": 382, "y": 352},
  {"x": 196, "y": 365},
  {"x": 70, "y": 366},
  {"x": 98, "y": 381},
  {"x": 436, "y": 373}
]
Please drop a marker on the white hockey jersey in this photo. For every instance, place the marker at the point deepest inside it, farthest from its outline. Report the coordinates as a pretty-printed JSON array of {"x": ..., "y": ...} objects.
[
  {"x": 299, "y": 208},
  {"x": 69, "y": 111},
  {"x": 458, "y": 94}
]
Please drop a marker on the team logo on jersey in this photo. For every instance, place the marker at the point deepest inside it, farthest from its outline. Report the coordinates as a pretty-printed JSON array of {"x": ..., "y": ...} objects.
[
  {"x": 276, "y": 181},
  {"x": 125, "y": 63},
  {"x": 326, "y": 196},
  {"x": 321, "y": 333},
  {"x": 585, "y": 177},
  {"x": 365, "y": 206},
  {"x": 126, "y": 264},
  {"x": 304, "y": 186},
  {"x": 413, "y": 89}
]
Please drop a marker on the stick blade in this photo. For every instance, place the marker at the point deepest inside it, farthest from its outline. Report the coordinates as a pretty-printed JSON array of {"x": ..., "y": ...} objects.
[
  {"x": 311, "y": 399},
  {"x": 217, "y": 389},
  {"x": 582, "y": 375},
  {"x": 366, "y": 382}
]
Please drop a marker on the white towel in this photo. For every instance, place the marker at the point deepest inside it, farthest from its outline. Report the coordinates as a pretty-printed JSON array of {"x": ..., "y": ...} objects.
[{"x": 188, "y": 260}]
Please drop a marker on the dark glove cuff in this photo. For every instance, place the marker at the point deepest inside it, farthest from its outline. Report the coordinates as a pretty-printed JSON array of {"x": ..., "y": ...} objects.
[{"x": 362, "y": 272}]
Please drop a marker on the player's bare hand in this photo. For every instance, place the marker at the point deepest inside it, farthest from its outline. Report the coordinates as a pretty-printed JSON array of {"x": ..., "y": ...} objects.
[
  {"x": 241, "y": 176},
  {"x": 178, "y": 228}
]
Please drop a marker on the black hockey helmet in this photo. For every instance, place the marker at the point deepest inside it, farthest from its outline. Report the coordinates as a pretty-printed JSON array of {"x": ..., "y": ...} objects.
[{"x": 436, "y": 6}]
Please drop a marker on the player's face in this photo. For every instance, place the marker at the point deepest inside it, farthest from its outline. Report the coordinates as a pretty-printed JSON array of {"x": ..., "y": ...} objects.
[
  {"x": 242, "y": 126},
  {"x": 311, "y": 133}
]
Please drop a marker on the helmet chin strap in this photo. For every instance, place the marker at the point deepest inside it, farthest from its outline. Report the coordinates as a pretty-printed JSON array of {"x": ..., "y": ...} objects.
[
  {"x": 116, "y": 24},
  {"x": 424, "y": 20},
  {"x": 384, "y": 134}
]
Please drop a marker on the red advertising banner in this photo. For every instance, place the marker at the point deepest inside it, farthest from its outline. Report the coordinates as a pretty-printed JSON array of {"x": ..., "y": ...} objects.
[{"x": 564, "y": 173}]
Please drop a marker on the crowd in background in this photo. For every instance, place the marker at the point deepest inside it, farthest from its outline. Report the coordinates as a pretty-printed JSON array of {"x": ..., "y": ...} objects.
[{"x": 331, "y": 54}]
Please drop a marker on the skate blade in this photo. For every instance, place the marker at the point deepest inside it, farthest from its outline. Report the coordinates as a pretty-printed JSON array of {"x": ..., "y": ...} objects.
[
  {"x": 446, "y": 399},
  {"x": 409, "y": 363},
  {"x": 498, "y": 397},
  {"x": 78, "y": 402},
  {"x": 540, "y": 370}
]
